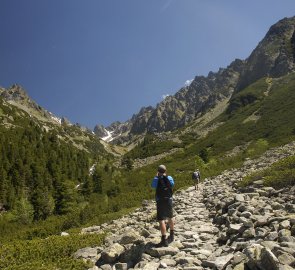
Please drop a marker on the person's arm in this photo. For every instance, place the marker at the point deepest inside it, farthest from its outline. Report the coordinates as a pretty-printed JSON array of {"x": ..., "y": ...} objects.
[
  {"x": 171, "y": 180},
  {"x": 155, "y": 182}
]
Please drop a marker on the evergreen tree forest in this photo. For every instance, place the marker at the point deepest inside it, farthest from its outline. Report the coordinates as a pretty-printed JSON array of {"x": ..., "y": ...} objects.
[{"x": 39, "y": 171}]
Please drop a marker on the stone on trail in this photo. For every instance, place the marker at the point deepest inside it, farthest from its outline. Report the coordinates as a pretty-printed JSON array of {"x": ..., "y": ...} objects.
[
  {"x": 162, "y": 251},
  {"x": 121, "y": 266},
  {"x": 106, "y": 267},
  {"x": 110, "y": 254},
  {"x": 286, "y": 258},
  {"x": 151, "y": 266},
  {"x": 269, "y": 260},
  {"x": 285, "y": 267},
  {"x": 239, "y": 198},
  {"x": 168, "y": 262},
  {"x": 219, "y": 262},
  {"x": 223, "y": 227},
  {"x": 130, "y": 237}
]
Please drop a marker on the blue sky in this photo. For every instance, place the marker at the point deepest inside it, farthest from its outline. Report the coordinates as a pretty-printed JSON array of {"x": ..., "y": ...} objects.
[{"x": 99, "y": 61}]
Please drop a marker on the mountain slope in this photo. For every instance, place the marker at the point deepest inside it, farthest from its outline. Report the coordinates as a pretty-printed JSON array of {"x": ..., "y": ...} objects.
[
  {"x": 42, "y": 159},
  {"x": 17, "y": 99},
  {"x": 273, "y": 57}
]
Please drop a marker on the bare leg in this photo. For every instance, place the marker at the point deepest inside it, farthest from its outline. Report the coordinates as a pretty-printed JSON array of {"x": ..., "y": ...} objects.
[
  {"x": 171, "y": 223},
  {"x": 162, "y": 227}
]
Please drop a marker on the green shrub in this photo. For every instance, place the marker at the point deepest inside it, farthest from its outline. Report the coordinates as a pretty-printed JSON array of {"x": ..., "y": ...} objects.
[
  {"x": 53, "y": 251},
  {"x": 280, "y": 174}
]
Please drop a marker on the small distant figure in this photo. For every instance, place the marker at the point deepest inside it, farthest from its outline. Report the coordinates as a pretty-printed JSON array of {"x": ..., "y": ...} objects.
[
  {"x": 196, "y": 176},
  {"x": 163, "y": 185}
]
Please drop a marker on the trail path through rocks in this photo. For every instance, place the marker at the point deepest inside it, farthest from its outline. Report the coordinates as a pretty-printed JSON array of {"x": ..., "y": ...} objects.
[{"x": 220, "y": 226}]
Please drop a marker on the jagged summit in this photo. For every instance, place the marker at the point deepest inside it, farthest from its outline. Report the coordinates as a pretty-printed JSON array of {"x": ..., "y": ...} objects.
[
  {"x": 273, "y": 57},
  {"x": 16, "y": 95}
]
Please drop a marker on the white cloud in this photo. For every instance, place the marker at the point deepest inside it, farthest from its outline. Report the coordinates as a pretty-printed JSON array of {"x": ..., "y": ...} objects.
[
  {"x": 164, "y": 96},
  {"x": 188, "y": 82}
]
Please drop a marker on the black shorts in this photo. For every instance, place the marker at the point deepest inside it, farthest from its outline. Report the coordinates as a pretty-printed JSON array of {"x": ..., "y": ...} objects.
[{"x": 164, "y": 209}]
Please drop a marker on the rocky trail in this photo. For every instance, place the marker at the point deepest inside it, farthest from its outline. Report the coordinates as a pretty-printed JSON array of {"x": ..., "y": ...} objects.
[{"x": 219, "y": 226}]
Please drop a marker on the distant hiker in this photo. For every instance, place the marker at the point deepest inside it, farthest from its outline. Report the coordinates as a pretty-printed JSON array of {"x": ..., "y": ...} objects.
[
  {"x": 196, "y": 176},
  {"x": 163, "y": 185}
]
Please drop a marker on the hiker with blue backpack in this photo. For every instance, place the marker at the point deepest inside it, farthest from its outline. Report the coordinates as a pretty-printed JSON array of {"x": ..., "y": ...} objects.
[{"x": 163, "y": 185}]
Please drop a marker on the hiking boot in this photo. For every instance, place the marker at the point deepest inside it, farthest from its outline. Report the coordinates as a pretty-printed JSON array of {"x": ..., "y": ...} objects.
[
  {"x": 163, "y": 243},
  {"x": 171, "y": 236}
]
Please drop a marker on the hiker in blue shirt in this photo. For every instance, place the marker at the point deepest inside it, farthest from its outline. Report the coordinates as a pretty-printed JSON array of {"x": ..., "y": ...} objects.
[{"x": 163, "y": 185}]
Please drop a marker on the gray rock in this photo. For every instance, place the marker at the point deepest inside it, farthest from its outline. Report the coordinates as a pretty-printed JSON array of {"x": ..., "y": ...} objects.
[
  {"x": 286, "y": 258},
  {"x": 270, "y": 244},
  {"x": 277, "y": 206},
  {"x": 249, "y": 233},
  {"x": 253, "y": 254},
  {"x": 284, "y": 233},
  {"x": 260, "y": 221},
  {"x": 132, "y": 253},
  {"x": 284, "y": 225},
  {"x": 121, "y": 266},
  {"x": 86, "y": 253},
  {"x": 272, "y": 236},
  {"x": 159, "y": 252},
  {"x": 219, "y": 262},
  {"x": 234, "y": 228},
  {"x": 151, "y": 266},
  {"x": 106, "y": 267},
  {"x": 240, "y": 266},
  {"x": 269, "y": 260},
  {"x": 239, "y": 198},
  {"x": 238, "y": 258},
  {"x": 112, "y": 253},
  {"x": 285, "y": 267},
  {"x": 130, "y": 237},
  {"x": 168, "y": 262},
  {"x": 185, "y": 260},
  {"x": 94, "y": 268},
  {"x": 93, "y": 229}
]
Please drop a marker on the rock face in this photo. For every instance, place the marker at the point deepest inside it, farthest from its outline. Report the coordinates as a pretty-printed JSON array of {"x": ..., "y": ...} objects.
[
  {"x": 191, "y": 101},
  {"x": 18, "y": 97},
  {"x": 274, "y": 57},
  {"x": 100, "y": 131},
  {"x": 219, "y": 226}
]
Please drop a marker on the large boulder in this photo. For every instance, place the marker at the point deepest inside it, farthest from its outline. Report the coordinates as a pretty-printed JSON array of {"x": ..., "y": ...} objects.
[{"x": 112, "y": 253}]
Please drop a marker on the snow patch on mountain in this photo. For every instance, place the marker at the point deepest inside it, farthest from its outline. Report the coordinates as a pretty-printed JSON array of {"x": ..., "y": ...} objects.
[
  {"x": 188, "y": 82},
  {"x": 55, "y": 118},
  {"x": 109, "y": 136}
]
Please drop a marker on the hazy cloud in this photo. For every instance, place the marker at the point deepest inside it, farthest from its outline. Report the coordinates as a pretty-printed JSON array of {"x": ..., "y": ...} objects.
[
  {"x": 188, "y": 82},
  {"x": 164, "y": 96}
]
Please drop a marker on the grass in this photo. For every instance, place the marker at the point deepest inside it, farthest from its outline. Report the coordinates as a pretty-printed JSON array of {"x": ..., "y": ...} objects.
[
  {"x": 54, "y": 252},
  {"x": 127, "y": 189},
  {"x": 280, "y": 174}
]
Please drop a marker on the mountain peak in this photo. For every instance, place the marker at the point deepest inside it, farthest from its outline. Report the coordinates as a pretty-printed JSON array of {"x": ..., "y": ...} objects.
[
  {"x": 274, "y": 56},
  {"x": 15, "y": 93}
]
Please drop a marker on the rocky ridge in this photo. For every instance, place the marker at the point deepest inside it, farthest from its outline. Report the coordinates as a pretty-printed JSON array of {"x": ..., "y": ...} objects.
[
  {"x": 273, "y": 57},
  {"x": 220, "y": 226}
]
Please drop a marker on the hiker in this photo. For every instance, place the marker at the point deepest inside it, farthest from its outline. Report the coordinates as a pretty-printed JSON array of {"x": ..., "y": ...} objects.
[
  {"x": 196, "y": 176},
  {"x": 163, "y": 185}
]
